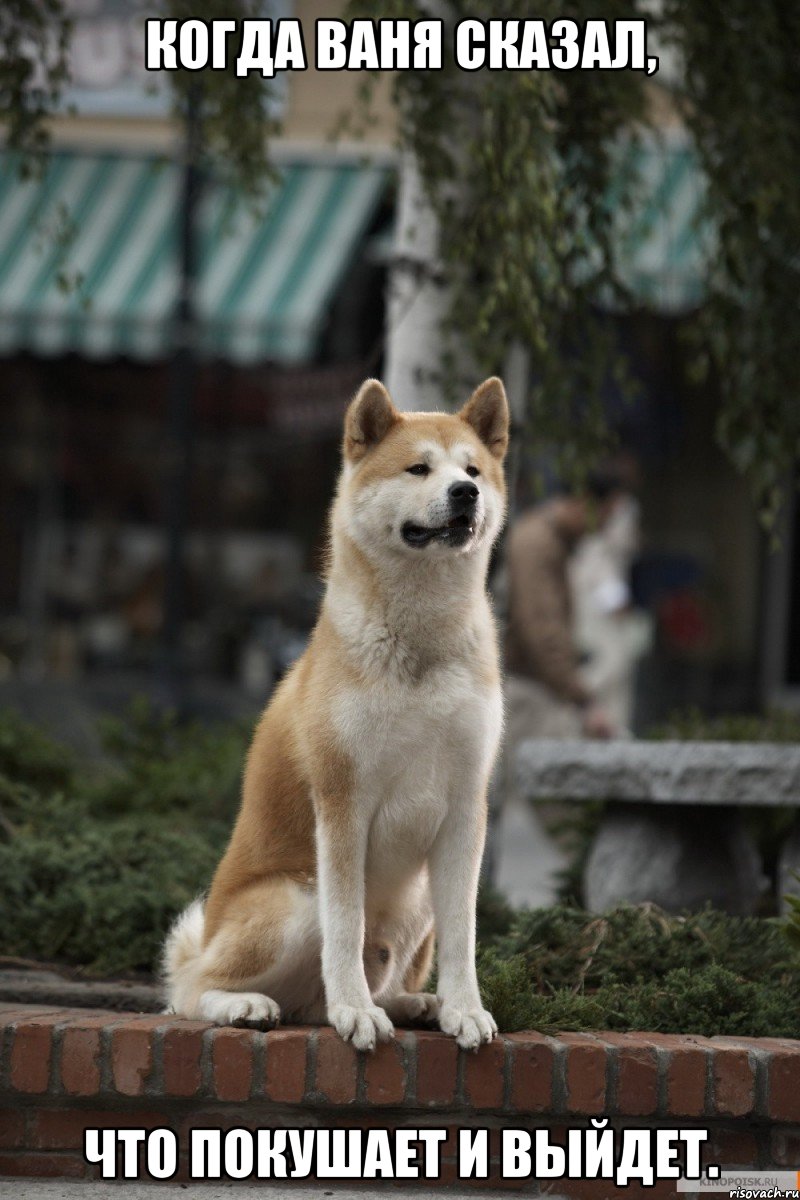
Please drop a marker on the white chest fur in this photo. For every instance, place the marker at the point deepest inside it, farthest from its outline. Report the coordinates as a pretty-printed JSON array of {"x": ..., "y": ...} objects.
[
  {"x": 421, "y": 724},
  {"x": 416, "y": 750}
]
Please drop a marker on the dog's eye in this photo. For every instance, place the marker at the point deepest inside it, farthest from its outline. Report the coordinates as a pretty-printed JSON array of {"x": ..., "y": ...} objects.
[
  {"x": 472, "y": 471},
  {"x": 419, "y": 469}
]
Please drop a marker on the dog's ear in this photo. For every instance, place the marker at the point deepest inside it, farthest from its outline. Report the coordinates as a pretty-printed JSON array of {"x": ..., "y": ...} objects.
[
  {"x": 487, "y": 412},
  {"x": 369, "y": 418}
]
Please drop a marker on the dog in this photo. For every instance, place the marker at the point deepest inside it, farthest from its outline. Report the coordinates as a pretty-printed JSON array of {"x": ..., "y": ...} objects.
[{"x": 363, "y": 812}]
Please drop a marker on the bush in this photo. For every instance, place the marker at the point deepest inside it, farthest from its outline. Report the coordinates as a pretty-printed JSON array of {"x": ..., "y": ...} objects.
[
  {"x": 159, "y": 765},
  {"x": 95, "y": 862},
  {"x": 691, "y": 725},
  {"x": 30, "y": 756},
  {"x": 638, "y": 968},
  {"x": 100, "y": 895}
]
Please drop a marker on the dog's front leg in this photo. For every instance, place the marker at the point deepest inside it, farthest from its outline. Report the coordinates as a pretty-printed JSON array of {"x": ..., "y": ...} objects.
[
  {"x": 454, "y": 866},
  {"x": 341, "y": 857}
]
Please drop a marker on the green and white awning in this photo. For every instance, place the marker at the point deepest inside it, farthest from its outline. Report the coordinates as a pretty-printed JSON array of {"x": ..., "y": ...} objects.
[
  {"x": 662, "y": 243},
  {"x": 88, "y": 252},
  {"x": 88, "y": 257}
]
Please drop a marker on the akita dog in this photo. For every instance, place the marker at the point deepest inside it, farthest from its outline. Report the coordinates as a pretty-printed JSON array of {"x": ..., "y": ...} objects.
[{"x": 363, "y": 814}]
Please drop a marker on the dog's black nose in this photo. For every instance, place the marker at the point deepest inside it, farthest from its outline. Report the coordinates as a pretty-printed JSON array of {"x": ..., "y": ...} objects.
[{"x": 462, "y": 494}]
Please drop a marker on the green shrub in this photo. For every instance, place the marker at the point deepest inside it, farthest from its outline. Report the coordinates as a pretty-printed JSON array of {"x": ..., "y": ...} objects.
[
  {"x": 158, "y": 764},
  {"x": 30, "y": 756},
  {"x": 691, "y": 725},
  {"x": 95, "y": 863},
  {"x": 567, "y": 947},
  {"x": 792, "y": 923},
  {"x": 638, "y": 968},
  {"x": 100, "y": 894},
  {"x": 710, "y": 1002}
]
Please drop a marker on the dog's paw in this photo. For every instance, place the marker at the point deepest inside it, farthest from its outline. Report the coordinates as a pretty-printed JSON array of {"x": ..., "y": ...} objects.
[
  {"x": 251, "y": 1009},
  {"x": 364, "y": 1027},
  {"x": 413, "y": 1006},
  {"x": 469, "y": 1026}
]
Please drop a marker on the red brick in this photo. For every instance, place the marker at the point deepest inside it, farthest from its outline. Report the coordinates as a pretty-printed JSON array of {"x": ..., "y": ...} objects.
[
  {"x": 51, "y": 1166},
  {"x": 82, "y": 1018},
  {"x": 784, "y": 1085},
  {"x": 63, "y": 1128},
  {"x": 498, "y": 1183},
  {"x": 385, "y": 1073},
  {"x": 286, "y": 1065},
  {"x": 12, "y": 1128},
  {"x": 203, "y": 1118},
  {"x": 449, "y": 1178},
  {"x": 483, "y": 1075},
  {"x": 785, "y": 1045},
  {"x": 12, "y": 1013},
  {"x": 31, "y": 1054},
  {"x": 182, "y": 1048},
  {"x": 437, "y": 1062},
  {"x": 785, "y": 1147},
  {"x": 532, "y": 1073},
  {"x": 183, "y": 1174},
  {"x": 448, "y": 1149},
  {"x": 337, "y": 1064},
  {"x": 687, "y": 1073},
  {"x": 232, "y": 1063},
  {"x": 585, "y": 1074},
  {"x": 145, "y": 1022},
  {"x": 637, "y": 1074},
  {"x": 734, "y": 1083},
  {"x": 725, "y": 1042},
  {"x": 80, "y": 1061},
  {"x": 132, "y": 1057},
  {"x": 732, "y": 1148}
]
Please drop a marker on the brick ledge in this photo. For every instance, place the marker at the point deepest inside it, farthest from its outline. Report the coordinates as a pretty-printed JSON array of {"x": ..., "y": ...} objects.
[
  {"x": 80, "y": 1053},
  {"x": 62, "y": 1070}
]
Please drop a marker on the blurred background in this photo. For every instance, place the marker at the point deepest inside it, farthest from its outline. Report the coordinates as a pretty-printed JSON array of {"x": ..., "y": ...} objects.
[
  {"x": 175, "y": 359},
  {"x": 197, "y": 270}
]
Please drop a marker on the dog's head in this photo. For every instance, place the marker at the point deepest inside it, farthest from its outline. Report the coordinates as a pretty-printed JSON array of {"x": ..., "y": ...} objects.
[{"x": 424, "y": 484}]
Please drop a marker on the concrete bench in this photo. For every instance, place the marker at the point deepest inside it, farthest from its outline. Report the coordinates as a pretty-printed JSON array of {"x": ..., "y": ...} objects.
[{"x": 672, "y": 831}]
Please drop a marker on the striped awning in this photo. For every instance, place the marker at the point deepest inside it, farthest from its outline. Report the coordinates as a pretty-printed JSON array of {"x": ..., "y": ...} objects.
[
  {"x": 663, "y": 244},
  {"x": 89, "y": 257}
]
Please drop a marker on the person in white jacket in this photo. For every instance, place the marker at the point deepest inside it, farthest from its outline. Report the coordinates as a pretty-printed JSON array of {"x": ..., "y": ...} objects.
[{"x": 610, "y": 634}]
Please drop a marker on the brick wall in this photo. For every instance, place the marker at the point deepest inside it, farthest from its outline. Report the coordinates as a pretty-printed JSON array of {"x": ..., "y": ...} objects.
[{"x": 65, "y": 1070}]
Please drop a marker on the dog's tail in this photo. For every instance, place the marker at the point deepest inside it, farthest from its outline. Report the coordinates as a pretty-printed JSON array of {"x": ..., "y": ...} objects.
[{"x": 180, "y": 959}]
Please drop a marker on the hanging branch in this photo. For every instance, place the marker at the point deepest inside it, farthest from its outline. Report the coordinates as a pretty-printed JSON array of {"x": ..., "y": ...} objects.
[{"x": 522, "y": 192}]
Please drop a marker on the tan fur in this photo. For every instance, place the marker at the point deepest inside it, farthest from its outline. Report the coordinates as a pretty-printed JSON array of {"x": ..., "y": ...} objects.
[
  {"x": 260, "y": 931},
  {"x": 418, "y": 973}
]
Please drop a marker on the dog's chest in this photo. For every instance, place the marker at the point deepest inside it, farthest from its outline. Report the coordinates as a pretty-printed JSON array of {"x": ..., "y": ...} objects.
[
  {"x": 392, "y": 731},
  {"x": 415, "y": 750}
]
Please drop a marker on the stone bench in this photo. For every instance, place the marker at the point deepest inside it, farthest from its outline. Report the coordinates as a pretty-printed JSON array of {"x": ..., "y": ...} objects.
[{"x": 672, "y": 831}]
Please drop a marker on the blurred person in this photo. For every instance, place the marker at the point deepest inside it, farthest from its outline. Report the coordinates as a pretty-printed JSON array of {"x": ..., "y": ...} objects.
[
  {"x": 547, "y": 695},
  {"x": 611, "y": 634}
]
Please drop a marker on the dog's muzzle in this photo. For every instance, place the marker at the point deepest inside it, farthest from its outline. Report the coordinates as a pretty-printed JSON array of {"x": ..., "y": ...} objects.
[{"x": 462, "y": 498}]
